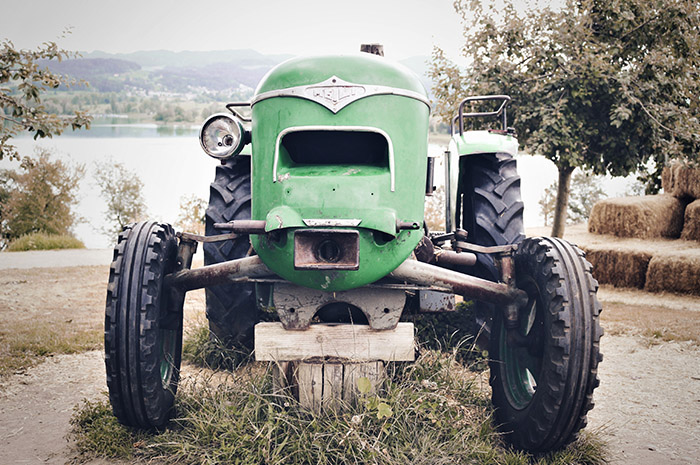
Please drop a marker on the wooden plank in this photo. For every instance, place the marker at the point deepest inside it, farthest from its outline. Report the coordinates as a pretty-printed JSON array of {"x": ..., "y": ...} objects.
[
  {"x": 280, "y": 377},
  {"x": 332, "y": 386},
  {"x": 310, "y": 384},
  {"x": 346, "y": 341},
  {"x": 374, "y": 371}
]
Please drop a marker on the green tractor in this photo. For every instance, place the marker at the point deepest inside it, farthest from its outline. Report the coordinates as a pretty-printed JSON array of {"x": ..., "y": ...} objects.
[{"x": 316, "y": 217}]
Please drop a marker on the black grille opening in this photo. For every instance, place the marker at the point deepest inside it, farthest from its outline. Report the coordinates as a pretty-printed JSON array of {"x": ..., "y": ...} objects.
[{"x": 337, "y": 148}]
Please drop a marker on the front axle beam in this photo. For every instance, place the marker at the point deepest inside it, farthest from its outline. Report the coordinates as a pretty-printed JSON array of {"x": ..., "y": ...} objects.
[{"x": 410, "y": 271}]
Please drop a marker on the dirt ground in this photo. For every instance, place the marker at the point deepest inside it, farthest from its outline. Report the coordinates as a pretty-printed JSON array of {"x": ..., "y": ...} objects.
[{"x": 647, "y": 406}]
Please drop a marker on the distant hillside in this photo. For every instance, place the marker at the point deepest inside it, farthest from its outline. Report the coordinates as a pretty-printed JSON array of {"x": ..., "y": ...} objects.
[
  {"x": 162, "y": 58},
  {"x": 185, "y": 72},
  {"x": 85, "y": 68}
]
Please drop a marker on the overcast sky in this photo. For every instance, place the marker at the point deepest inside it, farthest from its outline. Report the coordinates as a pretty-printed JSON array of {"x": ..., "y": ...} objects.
[{"x": 405, "y": 27}]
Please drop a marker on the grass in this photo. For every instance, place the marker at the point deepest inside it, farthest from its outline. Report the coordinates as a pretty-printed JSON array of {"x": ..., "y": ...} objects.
[
  {"x": 47, "y": 311},
  {"x": 656, "y": 324},
  {"x": 23, "y": 346},
  {"x": 432, "y": 411},
  {"x": 43, "y": 241},
  {"x": 204, "y": 349}
]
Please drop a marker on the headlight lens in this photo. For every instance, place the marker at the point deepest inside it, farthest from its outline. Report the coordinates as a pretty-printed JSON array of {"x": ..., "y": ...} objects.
[{"x": 222, "y": 136}]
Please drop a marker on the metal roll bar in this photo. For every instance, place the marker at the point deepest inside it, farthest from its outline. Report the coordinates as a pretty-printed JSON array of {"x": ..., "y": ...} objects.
[{"x": 500, "y": 112}]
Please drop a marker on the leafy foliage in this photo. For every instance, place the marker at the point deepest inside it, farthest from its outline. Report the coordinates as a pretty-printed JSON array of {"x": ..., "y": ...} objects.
[
  {"x": 22, "y": 82},
  {"x": 121, "y": 189},
  {"x": 435, "y": 210},
  {"x": 586, "y": 190},
  {"x": 190, "y": 217},
  {"x": 603, "y": 85},
  {"x": 38, "y": 197}
]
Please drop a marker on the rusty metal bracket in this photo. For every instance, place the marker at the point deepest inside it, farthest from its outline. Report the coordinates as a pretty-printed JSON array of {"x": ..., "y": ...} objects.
[
  {"x": 240, "y": 270},
  {"x": 496, "y": 249},
  {"x": 297, "y": 305},
  {"x": 471, "y": 287},
  {"x": 185, "y": 251},
  {"x": 244, "y": 226},
  {"x": 506, "y": 267},
  {"x": 198, "y": 238}
]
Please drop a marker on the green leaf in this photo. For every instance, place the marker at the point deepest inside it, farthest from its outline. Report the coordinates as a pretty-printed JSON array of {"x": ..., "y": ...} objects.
[
  {"x": 384, "y": 411},
  {"x": 364, "y": 385}
]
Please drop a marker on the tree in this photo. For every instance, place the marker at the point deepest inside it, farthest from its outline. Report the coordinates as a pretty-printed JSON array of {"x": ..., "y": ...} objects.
[
  {"x": 435, "y": 210},
  {"x": 39, "y": 197},
  {"x": 586, "y": 190},
  {"x": 121, "y": 189},
  {"x": 605, "y": 85},
  {"x": 23, "y": 80},
  {"x": 191, "y": 216}
]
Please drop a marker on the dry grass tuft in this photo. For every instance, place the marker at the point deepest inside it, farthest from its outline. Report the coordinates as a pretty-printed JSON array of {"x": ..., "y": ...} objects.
[
  {"x": 642, "y": 217},
  {"x": 677, "y": 272},
  {"x": 45, "y": 311},
  {"x": 681, "y": 180},
  {"x": 655, "y": 322},
  {"x": 691, "y": 224}
]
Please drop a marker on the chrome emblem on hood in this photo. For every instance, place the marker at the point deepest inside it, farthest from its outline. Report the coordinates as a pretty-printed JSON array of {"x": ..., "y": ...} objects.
[{"x": 335, "y": 93}]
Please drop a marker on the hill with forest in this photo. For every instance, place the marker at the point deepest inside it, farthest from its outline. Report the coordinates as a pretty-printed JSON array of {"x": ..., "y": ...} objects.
[{"x": 167, "y": 86}]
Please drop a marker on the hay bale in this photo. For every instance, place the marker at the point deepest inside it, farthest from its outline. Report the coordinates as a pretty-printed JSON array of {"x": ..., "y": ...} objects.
[
  {"x": 691, "y": 224},
  {"x": 677, "y": 272},
  {"x": 619, "y": 267},
  {"x": 681, "y": 180},
  {"x": 642, "y": 217}
]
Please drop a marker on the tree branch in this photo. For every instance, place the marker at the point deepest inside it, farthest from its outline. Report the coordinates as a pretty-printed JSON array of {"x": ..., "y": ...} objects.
[{"x": 12, "y": 120}]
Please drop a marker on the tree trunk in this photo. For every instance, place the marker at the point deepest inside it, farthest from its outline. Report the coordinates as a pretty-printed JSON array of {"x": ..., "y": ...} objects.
[{"x": 562, "y": 204}]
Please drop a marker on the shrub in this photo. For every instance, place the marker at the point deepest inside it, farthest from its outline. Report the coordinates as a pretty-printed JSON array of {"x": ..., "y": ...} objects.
[{"x": 43, "y": 241}]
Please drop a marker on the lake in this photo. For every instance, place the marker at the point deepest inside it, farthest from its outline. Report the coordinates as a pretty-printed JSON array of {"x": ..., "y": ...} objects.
[{"x": 171, "y": 164}]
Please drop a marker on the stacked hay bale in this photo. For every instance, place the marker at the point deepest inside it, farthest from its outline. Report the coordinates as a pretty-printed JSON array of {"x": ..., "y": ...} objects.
[
  {"x": 683, "y": 182},
  {"x": 653, "y": 264},
  {"x": 643, "y": 217},
  {"x": 691, "y": 224}
]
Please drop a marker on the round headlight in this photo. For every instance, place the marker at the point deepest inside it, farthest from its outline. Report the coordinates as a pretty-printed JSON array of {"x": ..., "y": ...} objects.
[{"x": 222, "y": 136}]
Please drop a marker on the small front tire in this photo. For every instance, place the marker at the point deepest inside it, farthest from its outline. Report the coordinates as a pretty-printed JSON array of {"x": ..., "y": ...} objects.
[
  {"x": 544, "y": 372},
  {"x": 143, "y": 334}
]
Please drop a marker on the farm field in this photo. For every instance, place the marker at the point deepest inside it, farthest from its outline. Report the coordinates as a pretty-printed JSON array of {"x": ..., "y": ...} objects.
[{"x": 647, "y": 406}]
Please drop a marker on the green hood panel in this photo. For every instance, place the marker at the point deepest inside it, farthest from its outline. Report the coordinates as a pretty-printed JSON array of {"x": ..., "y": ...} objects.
[
  {"x": 350, "y": 150},
  {"x": 359, "y": 69}
]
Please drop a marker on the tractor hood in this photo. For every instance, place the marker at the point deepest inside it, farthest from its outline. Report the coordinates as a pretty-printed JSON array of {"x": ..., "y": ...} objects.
[{"x": 339, "y": 142}]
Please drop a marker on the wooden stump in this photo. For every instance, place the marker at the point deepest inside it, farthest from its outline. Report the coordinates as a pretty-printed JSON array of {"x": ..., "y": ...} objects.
[
  {"x": 321, "y": 385},
  {"x": 322, "y": 365}
]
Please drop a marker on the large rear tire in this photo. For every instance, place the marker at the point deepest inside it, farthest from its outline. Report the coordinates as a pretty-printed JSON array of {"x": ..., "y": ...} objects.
[
  {"x": 491, "y": 211},
  {"x": 543, "y": 376},
  {"x": 491, "y": 207},
  {"x": 231, "y": 308},
  {"x": 143, "y": 334}
]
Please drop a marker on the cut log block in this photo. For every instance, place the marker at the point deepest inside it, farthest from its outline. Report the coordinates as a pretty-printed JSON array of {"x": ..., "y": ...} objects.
[
  {"x": 319, "y": 385},
  {"x": 322, "y": 366}
]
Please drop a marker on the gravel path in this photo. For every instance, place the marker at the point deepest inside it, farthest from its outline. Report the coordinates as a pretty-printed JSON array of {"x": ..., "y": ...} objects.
[
  {"x": 648, "y": 402},
  {"x": 35, "y": 407},
  {"x": 55, "y": 258}
]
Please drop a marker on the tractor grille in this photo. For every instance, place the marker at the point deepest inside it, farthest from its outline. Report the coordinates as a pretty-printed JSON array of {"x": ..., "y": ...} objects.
[{"x": 337, "y": 148}]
